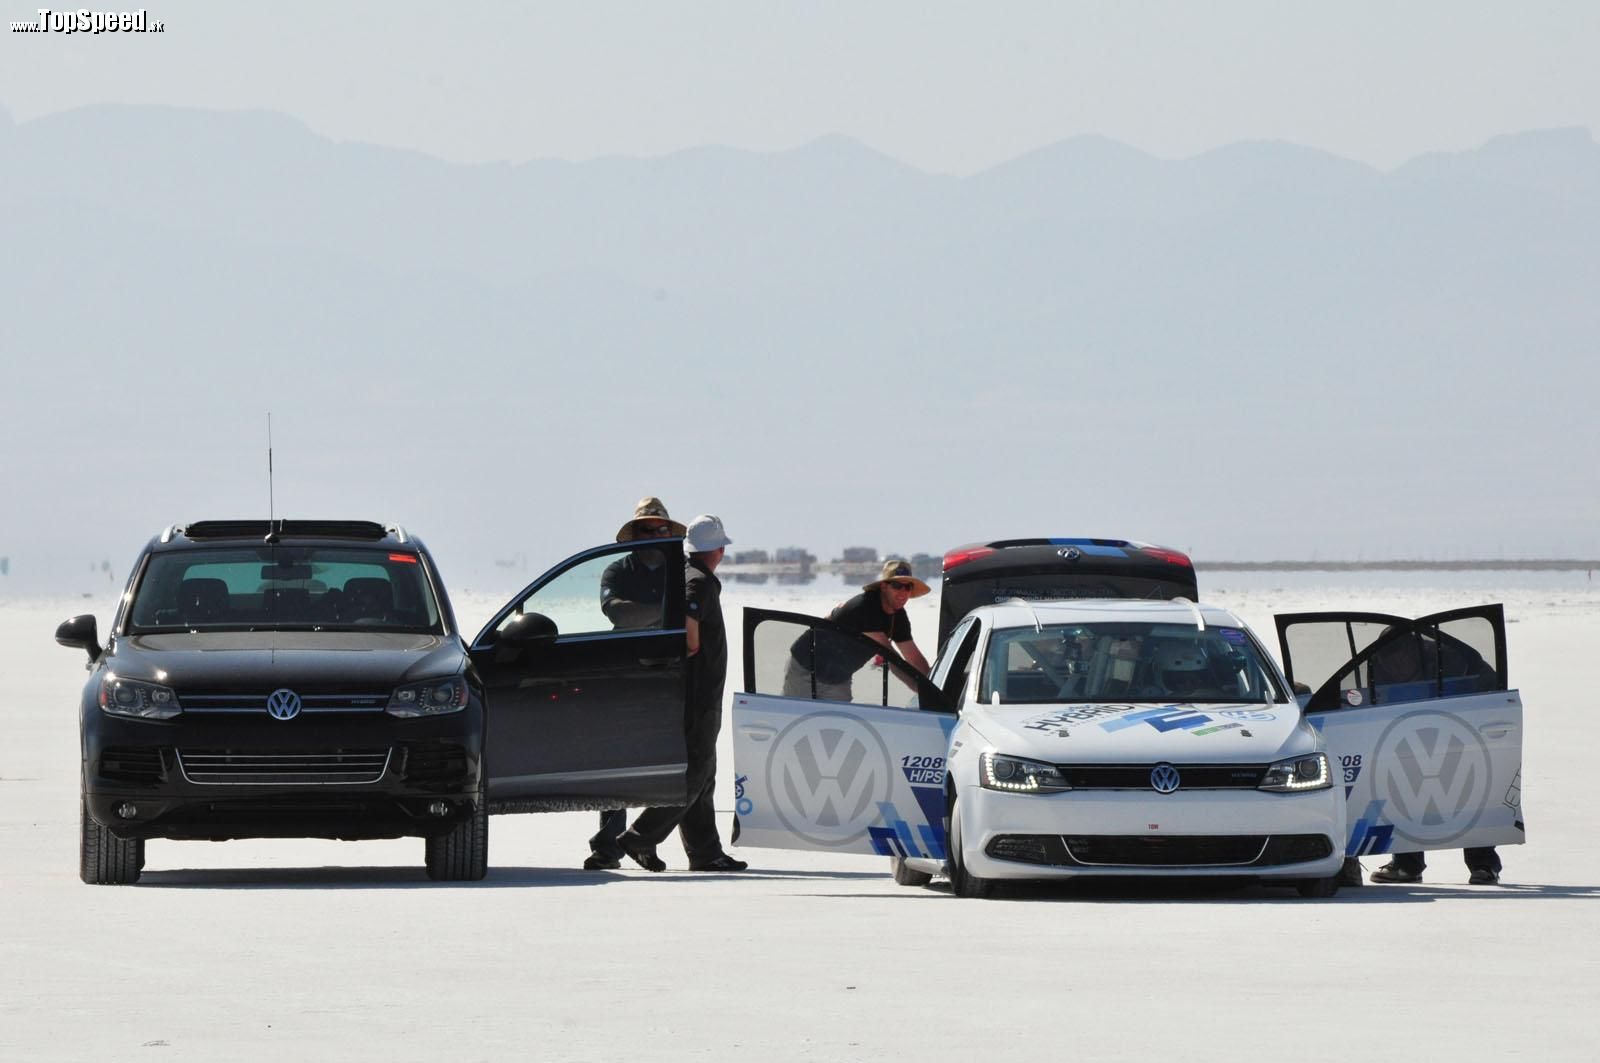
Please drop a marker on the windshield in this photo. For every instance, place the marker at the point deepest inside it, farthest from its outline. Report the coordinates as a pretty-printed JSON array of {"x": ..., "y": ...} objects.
[
  {"x": 1126, "y": 662},
  {"x": 284, "y": 588}
]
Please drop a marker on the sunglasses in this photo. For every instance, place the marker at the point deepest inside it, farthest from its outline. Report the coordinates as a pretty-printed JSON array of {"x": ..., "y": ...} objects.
[{"x": 902, "y": 585}]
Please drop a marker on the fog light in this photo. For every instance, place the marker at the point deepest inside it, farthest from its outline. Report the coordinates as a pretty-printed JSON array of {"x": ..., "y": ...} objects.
[
  {"x": 439, "y": 808},
  {"x": 127, "y": 810}
]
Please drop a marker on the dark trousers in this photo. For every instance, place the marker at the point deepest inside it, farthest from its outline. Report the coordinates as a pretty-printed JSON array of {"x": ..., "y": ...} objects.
[
  {"x": 1484, "y": 859},
  {"x": 612, "y": 823},
  {"x": 697, "y": 820}
]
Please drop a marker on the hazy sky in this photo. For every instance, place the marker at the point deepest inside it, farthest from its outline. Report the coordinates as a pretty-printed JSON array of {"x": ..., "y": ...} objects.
[
  {"x": 948, "y": 87},
  {"x": 951, "y": 88}
]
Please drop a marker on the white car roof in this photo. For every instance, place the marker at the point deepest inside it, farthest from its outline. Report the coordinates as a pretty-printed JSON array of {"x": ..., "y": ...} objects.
[{"x": 1019, "y": 613}]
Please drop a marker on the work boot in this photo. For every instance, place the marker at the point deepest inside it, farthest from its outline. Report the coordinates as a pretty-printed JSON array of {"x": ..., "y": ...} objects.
[
  {"x": 640, "y": 851},
  {"x": 1393, "y": 872}
]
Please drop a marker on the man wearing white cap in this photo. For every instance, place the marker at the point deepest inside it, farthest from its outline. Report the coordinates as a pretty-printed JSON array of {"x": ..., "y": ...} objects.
[{"x": 705, "y": 541}]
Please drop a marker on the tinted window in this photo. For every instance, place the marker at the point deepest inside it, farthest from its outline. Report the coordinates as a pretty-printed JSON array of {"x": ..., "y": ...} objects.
[
  {"x": 1406, "y": 663},
  {"x": 1126, "y": 662},
  {"x": 623, "y": 590},
  {"x": 284, "y": 587},
  {"x": 800, "y": 659}
]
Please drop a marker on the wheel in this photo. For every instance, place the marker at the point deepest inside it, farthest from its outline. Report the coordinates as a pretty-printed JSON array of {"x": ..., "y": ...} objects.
[
  {"x": 103, "y": 858},
  {"x": 962, "y": 881},
  {"x": 462, "y": 855},
  {"x": 906, "y": 876},
  {"x": 1318, "y": 887}
]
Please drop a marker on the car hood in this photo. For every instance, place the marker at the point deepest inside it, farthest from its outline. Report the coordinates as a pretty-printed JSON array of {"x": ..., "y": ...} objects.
[
  {"x": 1143, "y": 734},
  {"x": 259, "y": 661}
]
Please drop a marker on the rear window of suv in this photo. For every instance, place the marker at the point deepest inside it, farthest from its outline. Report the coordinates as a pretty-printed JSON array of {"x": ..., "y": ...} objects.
[{"x": 284, "y": 588}]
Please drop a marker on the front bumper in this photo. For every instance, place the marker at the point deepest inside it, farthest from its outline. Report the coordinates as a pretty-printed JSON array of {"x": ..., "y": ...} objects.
[
  {"x": 355, "y": 778},
  {"x": 1130, "y": 833}
]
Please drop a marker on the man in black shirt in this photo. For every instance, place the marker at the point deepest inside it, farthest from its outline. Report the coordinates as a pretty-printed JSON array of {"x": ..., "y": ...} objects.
[
  {"x": 631, "y": 593},
  {"x": 708, "y": 672},
  {"x": 879, "y": 613}
]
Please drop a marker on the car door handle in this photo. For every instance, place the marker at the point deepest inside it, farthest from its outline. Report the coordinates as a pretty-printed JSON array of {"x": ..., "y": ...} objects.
[
  {"x": 1496, "y": 730},
  {"x": 759, "y": 734}
]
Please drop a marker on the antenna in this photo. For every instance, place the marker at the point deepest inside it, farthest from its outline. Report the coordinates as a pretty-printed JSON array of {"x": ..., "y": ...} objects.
[{"x": 272, "y": 511}]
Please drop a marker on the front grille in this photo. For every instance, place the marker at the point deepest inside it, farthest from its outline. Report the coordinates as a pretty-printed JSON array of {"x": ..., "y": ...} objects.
[
  {"x": 1160, "y": 850},
  {"x": 257, "y": 703},
  {"x": 126, "y": 764},
  {"x": 230, "y": 768},
  {"x": 1165, "y": 850},
  {"x": 1137, "y": 776}
]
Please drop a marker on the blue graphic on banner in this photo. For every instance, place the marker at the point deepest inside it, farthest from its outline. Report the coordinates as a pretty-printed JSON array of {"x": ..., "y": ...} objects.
[
  {"x": 895, "y": 837},
  {"x": 1369, "y": 836},
  {"x": 1162, "y": 718},
  {"x": 741, "y": 804}
]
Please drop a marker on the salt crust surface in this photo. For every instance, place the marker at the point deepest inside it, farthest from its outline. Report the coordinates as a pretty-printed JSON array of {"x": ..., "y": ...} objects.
[{"x": 328, "y": 950}]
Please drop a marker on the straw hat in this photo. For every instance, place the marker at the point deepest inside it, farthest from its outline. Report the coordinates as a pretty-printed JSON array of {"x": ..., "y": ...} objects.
[
  {"x": 894, "y": 569},
  {"x": 649, "y": 508}
]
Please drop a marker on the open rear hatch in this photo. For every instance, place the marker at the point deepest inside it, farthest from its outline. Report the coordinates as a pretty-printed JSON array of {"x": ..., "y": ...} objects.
[{"x": 1044, "y": 570}]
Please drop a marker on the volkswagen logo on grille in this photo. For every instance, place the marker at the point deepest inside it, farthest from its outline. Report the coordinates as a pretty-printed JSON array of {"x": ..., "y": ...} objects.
[
  {"x": 1164, "y": 778},
  {"x": 283, "y": 704},
  {"x": 1071, "y": 553}
]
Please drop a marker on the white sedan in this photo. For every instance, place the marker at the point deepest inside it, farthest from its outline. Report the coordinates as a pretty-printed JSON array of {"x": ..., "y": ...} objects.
[{"x": 1120, "y": 737}]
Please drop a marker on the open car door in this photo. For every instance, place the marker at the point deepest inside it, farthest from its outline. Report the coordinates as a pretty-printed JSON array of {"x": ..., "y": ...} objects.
[
  {"x": 1419, "y": 716},
  {"x": 584, "y": 676},
  {"x": 859, "y": 776}
]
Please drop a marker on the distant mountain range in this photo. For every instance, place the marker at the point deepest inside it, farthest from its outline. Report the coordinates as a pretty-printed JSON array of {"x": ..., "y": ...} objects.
[{"x": 1261, "y": 350}]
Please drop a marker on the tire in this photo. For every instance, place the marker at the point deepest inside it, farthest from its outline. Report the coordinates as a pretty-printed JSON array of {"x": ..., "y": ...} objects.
[
  {"x": 963, "y": 882},
  {"x": 462, "y": 855},
  {"x": 1318, "y": 887},
  {"x": 906, "y": 876},
  {"x": 103, "y": 858}
]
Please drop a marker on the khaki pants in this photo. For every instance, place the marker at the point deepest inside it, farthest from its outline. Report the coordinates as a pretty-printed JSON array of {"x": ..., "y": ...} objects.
[{"x": 797, "y": 684}]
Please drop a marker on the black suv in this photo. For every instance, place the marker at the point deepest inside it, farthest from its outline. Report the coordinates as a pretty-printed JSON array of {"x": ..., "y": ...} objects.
[{"x": 307, "y": 679}]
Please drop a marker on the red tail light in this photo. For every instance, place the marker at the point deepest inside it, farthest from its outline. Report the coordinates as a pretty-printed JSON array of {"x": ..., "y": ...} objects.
[
  {"x": 408, "y": 558},
  {"x": 1171, "y": 557},
  {"x": 962, "y": 554}
]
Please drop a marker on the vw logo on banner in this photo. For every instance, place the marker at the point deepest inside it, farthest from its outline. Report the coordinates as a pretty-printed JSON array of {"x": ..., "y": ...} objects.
[
  {"x": 1434, "y": 771},
  {"x": 828, "y": 774},
  {"x": 283, "y": 704},
  {"x": 1164, "y": 778}
]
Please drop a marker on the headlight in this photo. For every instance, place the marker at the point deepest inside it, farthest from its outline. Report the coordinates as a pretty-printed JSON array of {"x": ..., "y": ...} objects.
[
  {"x": 436, "y": 697},
  {"x": 1309, "y": 772},
  {"x": 996, "y": 771},
  {"x": 142, "y": 701}
]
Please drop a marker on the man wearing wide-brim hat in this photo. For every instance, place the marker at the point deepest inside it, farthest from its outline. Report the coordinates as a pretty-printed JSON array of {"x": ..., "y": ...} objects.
[
  {"x": 632, "y": 590},
  {"x": 879, "y": 613}
]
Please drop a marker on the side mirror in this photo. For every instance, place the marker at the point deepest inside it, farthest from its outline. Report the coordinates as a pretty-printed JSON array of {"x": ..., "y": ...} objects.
[
  {"x": 81, "y": 632},
  {"x": 526, "y": 629}
]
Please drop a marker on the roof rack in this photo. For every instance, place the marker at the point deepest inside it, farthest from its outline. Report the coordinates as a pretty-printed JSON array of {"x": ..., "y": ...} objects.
[
  {"x": 1199, "y": 618},
  {"x": 303, "y": 529},
  {"x": 1031, "y": 611}
]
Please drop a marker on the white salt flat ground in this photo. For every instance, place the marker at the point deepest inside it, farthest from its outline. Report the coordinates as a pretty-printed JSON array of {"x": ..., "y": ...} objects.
[{"x": 323, "y": 950}]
